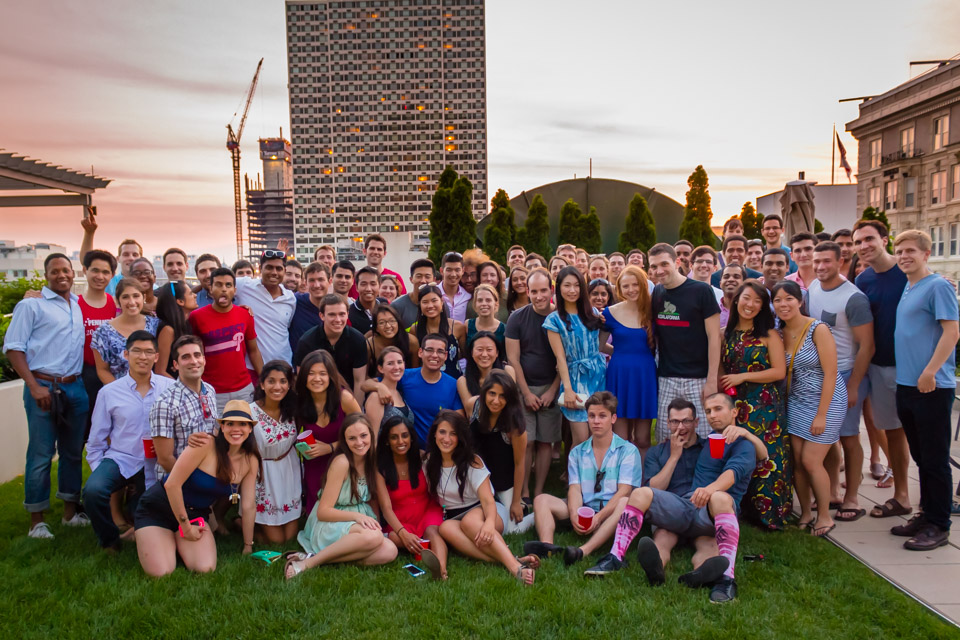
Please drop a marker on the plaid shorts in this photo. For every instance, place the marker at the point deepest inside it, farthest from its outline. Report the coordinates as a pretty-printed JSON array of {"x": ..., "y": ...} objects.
[{"x": 688, "y": 388}]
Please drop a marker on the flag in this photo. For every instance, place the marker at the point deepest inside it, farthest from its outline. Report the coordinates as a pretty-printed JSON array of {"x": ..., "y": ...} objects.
[{"x": 843, "y": 158}]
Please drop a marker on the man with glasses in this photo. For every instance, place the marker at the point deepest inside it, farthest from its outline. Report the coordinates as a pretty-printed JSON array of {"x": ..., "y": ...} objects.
[
  {"x": 422, "y": 273},
  {"x": 186, "y": 408},
  {"x": 602, "y": 471},
  {"x": 116, "y": 449},
  {"x": 273, "y": 307},
  {"x": 454, "y": 295},
  {"x": 704, "y": 263}
]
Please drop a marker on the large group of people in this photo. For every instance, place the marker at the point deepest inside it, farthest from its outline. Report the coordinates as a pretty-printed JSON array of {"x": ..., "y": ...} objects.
[{"x": 366, "y": 417}]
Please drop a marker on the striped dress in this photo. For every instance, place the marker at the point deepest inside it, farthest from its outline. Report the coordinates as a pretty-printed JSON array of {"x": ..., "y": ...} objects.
[{"x": 804, "y": 397}]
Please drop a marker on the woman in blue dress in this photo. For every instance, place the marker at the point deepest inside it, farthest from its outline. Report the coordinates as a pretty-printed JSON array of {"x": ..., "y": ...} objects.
[
  {"x": 573, "y": 330},
  {"x": 632, "y": 371}
]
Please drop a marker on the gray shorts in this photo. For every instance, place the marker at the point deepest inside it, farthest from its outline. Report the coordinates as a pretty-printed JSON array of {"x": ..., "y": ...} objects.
[
  {"x": 678, "y": 515},
  {"x": 543, "y": 425},
  {"x": 688, "y": 388},
  {"x": 245, "y": 394},
  {"x": 851, "y": 422},
  {"x": 883, "y": 397}
]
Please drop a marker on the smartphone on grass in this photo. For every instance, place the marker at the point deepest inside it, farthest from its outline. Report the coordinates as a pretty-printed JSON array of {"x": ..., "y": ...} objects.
[{"x": 414, "y": 570}]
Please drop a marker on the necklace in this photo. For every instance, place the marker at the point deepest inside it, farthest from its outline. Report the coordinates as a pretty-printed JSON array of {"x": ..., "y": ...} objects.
[
  {"x": 234, "y": 495},
  {"x": 443, "y": 486}
]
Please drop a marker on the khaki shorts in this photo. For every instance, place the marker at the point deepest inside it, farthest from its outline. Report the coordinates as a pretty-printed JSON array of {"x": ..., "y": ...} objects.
[
  {"x": 883, "y": 396},
  {"x": 543, "y": 425}
]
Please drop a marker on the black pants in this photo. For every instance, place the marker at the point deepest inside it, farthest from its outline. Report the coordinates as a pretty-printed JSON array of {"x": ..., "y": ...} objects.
[{"x": 926, "y": 423}]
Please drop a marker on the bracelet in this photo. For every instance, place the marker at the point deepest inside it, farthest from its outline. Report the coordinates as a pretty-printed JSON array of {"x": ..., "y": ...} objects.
[
  {"x": 248, "y": 544},
  {"x": 400, "y": 529}
]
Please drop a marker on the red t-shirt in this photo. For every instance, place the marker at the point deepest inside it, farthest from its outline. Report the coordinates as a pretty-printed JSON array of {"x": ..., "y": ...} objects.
[
  {"x": 224, "y": 337},
  {"x": 93, "y": 317}
]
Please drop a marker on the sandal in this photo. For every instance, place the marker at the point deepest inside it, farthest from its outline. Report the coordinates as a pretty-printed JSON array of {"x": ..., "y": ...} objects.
[
  {"x": 891, "y": 507},
  {"x": 821, "y": 532},
  {"x": 886, "y": 480},
  {"x": 877, "y": 470},
  {"x": 296, "y": 566},
  {"x": 849, "y": 514},
  {"x": 298, "y": 556},
  {"x": 834, "y": 504},
  {"x": 519, "y": 575},
  {"x": 531, "y": 560}
]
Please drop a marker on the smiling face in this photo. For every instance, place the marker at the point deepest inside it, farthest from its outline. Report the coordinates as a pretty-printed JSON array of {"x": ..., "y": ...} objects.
[
  {"x": 128, "y": 253},
  {"x": 540, "y": 292},
  {"x": 272, "y": 273},
  {"x": 334, "y": 318},
  {"x": 771, "y": 232},
  {"x": 484, "y": 352},
  {"x": 911, "y": 258},
  {"x": 189, "y": 362},
  {"x": 749, "y": 304},
  {"x": 317, "y": 284},
  {"x": 515, "y": 258},
  {"x": 98, "y": 275},
  {"x": 556, "y": 266},
  {"x": 141, "y": 355},
  {"x": 754, "y": 257},
  {"x": 730, "y": 280},
  {"x": 142, "y": 272},
  {"x": 485, "y": 303},
  {"x": 433, "y": 354},
  {"x": 327, "y": 257},
  {"x": 236, "y": 432},
  {"x": 703, "y": 267},
  {"x": 318, "y": 378},
  {"x": 518, "y": 281},
  {"x": 175, "y": 266},
  {"x": 868, "y": 243},
  {"x": 617, "y": 263},
  {"x": 375, "y": 252},
  {"x": 736, "y": 251},
  {"x": 388, "y": 289},
  {"x": 569, "y": 288},
  {"x": 386, "y": 324},
  {"x": 446, "y": 438},
  {"x": 683, "y": 257},
  {"x": 826, "y": 265},
  {"x": 392, "y": 367},
  {"x": 130, "y": 301},
  {"x": 774, "y": 268},
  {"x": 599, "y": 297},
  {"x": 662, "y": 267},
  {"x": 399, "y": 440},
  {"x": 583, "y": 261},
  {"x": 491, "y": 276},
  {"x": 635, "y": 259},
  {"x": 421, "y": 276},
  {"x": 342, "y": 281},
  {"x": 358, "y": 438},
  {"x": 803, "y": 253},
  {"x": 204, "y": 269},
  {"x": 785, "y": 305},
  {"x": 568, "y": 254},
  {"x": 452, "y": 274},
  {"x": 468, "y": 279},
  {"x": 275, "y": 385},
  {"x": 368, "y": 288},
  {"x": 495, "y": 399},
  {"x": 598, "y": 269},
  {"x": 629, "y": 287},
  {"x": 431, "y": 304},
  {"x": 291, "y": 277}
]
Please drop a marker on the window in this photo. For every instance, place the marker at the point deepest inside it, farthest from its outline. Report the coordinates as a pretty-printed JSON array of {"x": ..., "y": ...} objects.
[
  {"x": 906, "y": 141},
  {"x": 954, "y": 233},
  {"x": 936, "y": 235},
  {"x": 909, "y": 192},
  {"x": 938, "y": 187},
  {"x": 890, "y": 190},
  {"x": 873, "y": 197},
  {"x": 875, "y": 153},
  {"x": 955, "y": 183},
  {"x": 941, "y": 132}
]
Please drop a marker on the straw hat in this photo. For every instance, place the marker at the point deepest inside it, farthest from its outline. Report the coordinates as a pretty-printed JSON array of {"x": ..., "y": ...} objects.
[{"x": 237, "y": 411}]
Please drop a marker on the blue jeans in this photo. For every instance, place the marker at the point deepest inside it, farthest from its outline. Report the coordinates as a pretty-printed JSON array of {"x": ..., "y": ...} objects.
[
  {"x": 104, "y": 480},
  {"x": 47, "y": 437}
]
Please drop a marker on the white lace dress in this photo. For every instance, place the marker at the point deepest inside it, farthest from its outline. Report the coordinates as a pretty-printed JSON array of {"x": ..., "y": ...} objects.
[{"x": 278, "y": 492}]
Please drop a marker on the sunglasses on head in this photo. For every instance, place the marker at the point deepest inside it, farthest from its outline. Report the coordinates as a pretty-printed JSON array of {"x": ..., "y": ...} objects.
[{"x": 273, "y": 253}]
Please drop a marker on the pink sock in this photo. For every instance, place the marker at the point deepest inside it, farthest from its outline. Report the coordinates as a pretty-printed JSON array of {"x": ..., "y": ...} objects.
[
  {"x": 627, "y": 529},
  {"x": 728, "y": 536}
]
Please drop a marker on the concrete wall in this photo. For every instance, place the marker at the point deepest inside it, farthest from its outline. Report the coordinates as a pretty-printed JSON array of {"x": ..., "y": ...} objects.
[{"x": 13, "y": 430}]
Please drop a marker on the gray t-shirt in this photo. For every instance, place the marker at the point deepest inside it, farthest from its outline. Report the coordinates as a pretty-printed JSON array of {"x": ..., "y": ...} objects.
[
  {"x": 407, "y": 309},
  {"x": 842, "y": 308},
  {"x": 537, "y": 361}
]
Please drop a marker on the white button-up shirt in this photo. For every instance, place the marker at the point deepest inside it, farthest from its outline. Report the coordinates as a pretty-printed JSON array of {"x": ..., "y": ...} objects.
[
  {"x": 49, "y": 330},
  {"x": 457, "y": 307},
  {"x": 271, "y": 316}
]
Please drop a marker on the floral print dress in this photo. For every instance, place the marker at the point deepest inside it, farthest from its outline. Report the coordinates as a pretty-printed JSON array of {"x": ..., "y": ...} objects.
[
  {"x": 769, "y": 499},
  {"x": 279, "y": 487}
]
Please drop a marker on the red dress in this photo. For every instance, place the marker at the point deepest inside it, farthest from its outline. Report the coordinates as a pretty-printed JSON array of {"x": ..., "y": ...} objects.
[{"x": 414, "y": 508}]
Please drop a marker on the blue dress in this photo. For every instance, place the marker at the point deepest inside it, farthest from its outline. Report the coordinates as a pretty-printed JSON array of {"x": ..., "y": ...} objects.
[
  {"x": 632, "y": 372},
  {"x": 584, "y": 360}
]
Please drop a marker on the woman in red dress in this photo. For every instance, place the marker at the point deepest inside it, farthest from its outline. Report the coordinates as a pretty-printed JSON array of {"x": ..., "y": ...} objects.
[{"x": 410, "y": 513}]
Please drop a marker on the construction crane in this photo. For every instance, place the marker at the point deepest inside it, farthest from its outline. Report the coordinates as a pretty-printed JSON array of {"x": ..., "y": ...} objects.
[{"x": 233, "y": 145}]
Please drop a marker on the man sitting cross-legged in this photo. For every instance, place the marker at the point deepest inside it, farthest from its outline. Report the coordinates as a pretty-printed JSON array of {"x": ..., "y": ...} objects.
[
  {"x": 708, "y": 510},
  {"x": 601, "y": 472}
]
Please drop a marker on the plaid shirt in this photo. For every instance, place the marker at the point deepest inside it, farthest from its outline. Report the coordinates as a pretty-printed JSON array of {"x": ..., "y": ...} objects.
[
  {"x": 621, "y": 465},
  {"x": 178, "y": 412}
]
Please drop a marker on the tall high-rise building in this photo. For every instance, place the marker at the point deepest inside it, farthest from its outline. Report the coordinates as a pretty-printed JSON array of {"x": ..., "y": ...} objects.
[
  {"x": 270, "y": 203},
  {"x": 383, "y": 96}
]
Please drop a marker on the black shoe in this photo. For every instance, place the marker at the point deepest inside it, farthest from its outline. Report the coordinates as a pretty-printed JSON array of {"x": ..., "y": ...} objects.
[
  {"x": 542, "y": 549},
  {"x": 725, "y": 590},
  {"x": 930, "y": 538},
  {"x": 915, "y": 525},
  {"x": 706, "y": 574},
  {"x": 608, "y": 564},
  {"x": 572, "y": 555},
  {"x": 649, "y": 557}
]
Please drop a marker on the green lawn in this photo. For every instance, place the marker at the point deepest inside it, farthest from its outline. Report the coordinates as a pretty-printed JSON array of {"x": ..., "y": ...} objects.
[{"x": 805, "y": 588}]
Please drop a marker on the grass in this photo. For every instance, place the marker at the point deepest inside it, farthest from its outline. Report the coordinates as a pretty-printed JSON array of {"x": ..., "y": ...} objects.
[{"x": 804, "y": 588}]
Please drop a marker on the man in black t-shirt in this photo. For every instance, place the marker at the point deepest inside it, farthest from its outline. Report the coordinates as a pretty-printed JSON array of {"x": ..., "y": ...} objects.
[
  {"x": 687, "y": 326},
  {"x": 345, "y": 344},
  {"x": 529, "y": 353}
]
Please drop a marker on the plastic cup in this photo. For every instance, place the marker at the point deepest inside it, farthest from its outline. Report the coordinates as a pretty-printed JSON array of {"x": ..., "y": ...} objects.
[
  {"x": 731, "y": 391},
  {"x": 717, "y": 445},
  {"x": 424, "y": 544},
  {"x": 307, "y": 438},
  {"x": 148, "y": 450},
  {"x": 585, "y": 517}
]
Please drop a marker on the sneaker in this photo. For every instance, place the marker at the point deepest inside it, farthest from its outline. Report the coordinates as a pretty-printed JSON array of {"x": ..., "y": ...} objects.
[
  {"x": 41, "y": 531},
  {"x": 725, "y": 590},
  {"x": 78, "y": 520},
  {"x": 542, "y": 549},
  {"x": 572, "y": 555},
  {"x": 706, "y": 574},
  {"x": 608, "y": 564},
  {"x": 930, "y": 538},
  {"x": 649, "y": 557},
  {"x": 913, "y": 526}
]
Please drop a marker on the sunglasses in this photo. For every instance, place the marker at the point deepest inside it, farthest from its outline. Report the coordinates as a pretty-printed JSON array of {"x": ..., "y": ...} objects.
[
  {"x": 597, "y": 487},
  {"x": 273, "y": 253}
]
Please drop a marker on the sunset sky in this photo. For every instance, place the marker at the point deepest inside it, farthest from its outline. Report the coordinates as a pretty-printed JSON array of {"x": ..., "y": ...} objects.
[{"x": 143, "y": 92}]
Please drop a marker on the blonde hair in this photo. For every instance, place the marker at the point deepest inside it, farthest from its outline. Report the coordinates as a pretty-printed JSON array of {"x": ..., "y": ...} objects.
[
  {"x": 921, "y": 238},
  {"x": 644, "y": 304},
  {"x": 485, "y": 287}
]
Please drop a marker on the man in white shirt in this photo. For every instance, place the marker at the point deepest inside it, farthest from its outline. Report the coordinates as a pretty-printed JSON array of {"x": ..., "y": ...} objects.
[{"x": 272, "y": 306}]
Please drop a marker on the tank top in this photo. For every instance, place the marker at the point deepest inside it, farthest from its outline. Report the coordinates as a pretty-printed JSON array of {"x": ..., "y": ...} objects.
[
  {"x": 201, "y": 489},
  {"x": 93, "y": 317},
  {"x": 495, "y": 450}
]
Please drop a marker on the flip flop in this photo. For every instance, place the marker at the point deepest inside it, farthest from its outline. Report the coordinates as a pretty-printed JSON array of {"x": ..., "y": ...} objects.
[
  {"x": 834, "y": 504},
  {"x": 891, "y": 507},
  {"x": 519, "y": 575},
  {"x": 853, "y": 514},
  {"x": 297, "y": 567},
  {"x": 886, "y": 481},
  {"x": 877, "y": 470},
  {"x": 531, "y": 560},
  {"x": 824, "y": 531}
]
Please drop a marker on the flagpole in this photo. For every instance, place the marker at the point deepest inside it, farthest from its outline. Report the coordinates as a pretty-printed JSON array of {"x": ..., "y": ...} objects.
[{"x": 833, "y": 152}]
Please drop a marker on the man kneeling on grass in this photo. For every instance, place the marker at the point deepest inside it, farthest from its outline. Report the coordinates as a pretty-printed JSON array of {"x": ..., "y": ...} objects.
[
  {"x": 601, "y": 473},
  {"x": 709, "y": 511}
]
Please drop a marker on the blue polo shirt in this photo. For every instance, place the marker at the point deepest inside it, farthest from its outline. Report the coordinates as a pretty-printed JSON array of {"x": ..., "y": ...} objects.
[
  {"x": 305, "y": 317},
  {"x": 681, "y": 482}
]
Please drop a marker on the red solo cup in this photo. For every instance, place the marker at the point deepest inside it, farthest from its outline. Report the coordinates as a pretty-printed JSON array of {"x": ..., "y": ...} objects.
[
  {"x": 424, "y": 544},
  {"x": 585, "y": 517},
  {"x": 307, "y": 437},
  {"x": 731, "y": 391},
  {"x": 148, "y": 450},
  {"x": 717, "y": 445}
]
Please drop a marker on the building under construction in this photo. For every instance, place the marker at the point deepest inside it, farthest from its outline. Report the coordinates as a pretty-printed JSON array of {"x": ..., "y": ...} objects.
[{"x": 270, "y": 202}]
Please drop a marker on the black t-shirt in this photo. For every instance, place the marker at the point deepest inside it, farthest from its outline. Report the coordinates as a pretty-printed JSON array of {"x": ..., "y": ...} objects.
[
  {"x": 359, "y": 318},
  {"x": 679, "y": 315},
  {"x": 536, "y": 357},
  {"x": 349, "y": 353}
]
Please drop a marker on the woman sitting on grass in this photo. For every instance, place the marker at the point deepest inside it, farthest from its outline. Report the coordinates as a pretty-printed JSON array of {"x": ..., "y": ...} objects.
[
  {"x": 459, "y": 481},
  {"x": 407, "y": 508},
  {"x": 342, "y": 526},
  {"x": 226, "y": 466}
]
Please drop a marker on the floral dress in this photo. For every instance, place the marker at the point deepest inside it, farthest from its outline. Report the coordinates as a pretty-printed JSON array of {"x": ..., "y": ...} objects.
[
  {"x": 769, "y": 499},
  {"x": 110, "y": 344},
  {"x": 279, "y": 488}
]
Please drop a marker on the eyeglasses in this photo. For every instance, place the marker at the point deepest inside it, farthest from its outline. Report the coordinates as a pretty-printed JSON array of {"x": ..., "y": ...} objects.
[
  {"x": 136, "y": 351},
  {"x": 273, "y": 253},
  {"x": 386, "y": 323},
  {"x": 597, "y": 486},
  {"x": 687, "y": 422},
  {"x": 435, "y": 352},
  {"x": 141, "y": 272}
]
